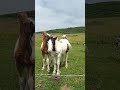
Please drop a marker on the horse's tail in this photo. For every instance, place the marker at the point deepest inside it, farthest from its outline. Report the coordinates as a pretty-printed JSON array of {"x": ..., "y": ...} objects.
[{"x": 69, "y": 45}]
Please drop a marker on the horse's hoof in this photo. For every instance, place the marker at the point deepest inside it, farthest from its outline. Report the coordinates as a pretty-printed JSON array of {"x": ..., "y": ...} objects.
[
  {"x": 54, "y": 72},
  {"x": 48, "y": 70},
  {"x": 43, "y": 68},
  {"x": 66, "y": 66},
  {"x": 58, "y": 74}
]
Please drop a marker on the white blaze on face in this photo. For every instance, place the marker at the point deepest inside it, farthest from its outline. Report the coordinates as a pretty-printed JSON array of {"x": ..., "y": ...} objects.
[{"x": 50, "y": 46}]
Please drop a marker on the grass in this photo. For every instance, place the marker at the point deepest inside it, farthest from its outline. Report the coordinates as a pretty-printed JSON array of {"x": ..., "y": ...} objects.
[
  {"x": 8, "y": 35},
  {"x": 76, "y": 62},
  {"x": 103, "y": 60}
]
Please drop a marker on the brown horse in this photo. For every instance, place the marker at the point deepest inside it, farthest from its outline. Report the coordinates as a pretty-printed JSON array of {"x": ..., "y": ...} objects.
[
  {"x": 24, "y": 53},
  {"x": 44, "y": 50}
]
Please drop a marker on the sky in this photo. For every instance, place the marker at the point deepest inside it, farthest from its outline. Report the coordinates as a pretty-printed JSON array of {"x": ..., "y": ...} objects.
[
  {"x": 51, "y": 14},
  {"x": 55, "y": 14}
]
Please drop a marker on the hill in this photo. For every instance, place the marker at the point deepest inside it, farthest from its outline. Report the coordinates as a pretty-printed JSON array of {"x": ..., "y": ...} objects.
[
  {"x": 68, "y": 30},
  {"x": 103, "y": 9},
  {"x": 14, "y": 15}
]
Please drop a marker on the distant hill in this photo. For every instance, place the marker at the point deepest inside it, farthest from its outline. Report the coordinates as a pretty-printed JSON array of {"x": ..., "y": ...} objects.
[
  {"x": 103, "y": 9},
  {"x": 14, "y": 15},
  {"x": 68, "y": 30}
]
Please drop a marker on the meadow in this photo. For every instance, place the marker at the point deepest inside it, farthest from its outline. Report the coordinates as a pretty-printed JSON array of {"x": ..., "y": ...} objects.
[
  {"x": 103, "y": 59},
  {"x": 76, "y": 65},
  {"x": 8, "y": 36}
]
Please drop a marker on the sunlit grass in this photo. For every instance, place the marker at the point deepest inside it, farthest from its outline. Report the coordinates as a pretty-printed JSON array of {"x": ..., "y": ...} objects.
[{"x": 76, "y": 62}]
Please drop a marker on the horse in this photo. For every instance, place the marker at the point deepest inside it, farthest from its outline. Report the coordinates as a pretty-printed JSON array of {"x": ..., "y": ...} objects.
[
  {"x": 58, "y": 48},
  {"x": 24, "y": 52},
  {"x": 44, "y": 50}
]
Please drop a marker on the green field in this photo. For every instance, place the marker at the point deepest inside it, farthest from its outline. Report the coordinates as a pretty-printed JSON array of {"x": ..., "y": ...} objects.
[
  {"x": 76, "y": 65},
  {"x": 8, "y": 35},
  {"x": 103, "y": 60}
]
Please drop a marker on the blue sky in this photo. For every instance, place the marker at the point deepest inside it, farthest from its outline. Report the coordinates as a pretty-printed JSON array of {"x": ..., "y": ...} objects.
[{"x": 54, "y": 14}]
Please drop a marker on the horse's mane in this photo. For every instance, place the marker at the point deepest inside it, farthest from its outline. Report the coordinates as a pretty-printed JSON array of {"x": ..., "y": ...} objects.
[
  {"x": 25, "y": 39},
  {"x": 44, "y": 40}
]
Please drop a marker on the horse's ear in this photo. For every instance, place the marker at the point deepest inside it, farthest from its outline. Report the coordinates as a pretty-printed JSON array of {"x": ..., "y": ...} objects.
[
  {"x": 43, "y": 33},
  {"x": 55, "y": 38}
]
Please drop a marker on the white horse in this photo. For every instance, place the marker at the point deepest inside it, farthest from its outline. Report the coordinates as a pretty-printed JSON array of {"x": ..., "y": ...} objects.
[{"x": 58, "y": 48}]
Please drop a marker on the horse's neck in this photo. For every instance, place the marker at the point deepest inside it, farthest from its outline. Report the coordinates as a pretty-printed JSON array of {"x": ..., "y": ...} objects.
[
  {"x": 44, "y": 44},
  {"x": 57, "y": 43},
  {"x": 44, "y": 41}
]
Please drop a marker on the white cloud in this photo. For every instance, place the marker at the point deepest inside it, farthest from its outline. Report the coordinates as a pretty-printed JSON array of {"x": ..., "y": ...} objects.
[{"x": 53, "y": 14}]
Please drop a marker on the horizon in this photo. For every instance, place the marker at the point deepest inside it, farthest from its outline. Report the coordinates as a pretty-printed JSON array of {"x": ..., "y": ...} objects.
[{"x": 61, "y": 28}]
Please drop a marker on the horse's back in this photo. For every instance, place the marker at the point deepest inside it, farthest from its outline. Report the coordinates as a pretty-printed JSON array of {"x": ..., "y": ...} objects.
[{"x": 64, "y": 45}]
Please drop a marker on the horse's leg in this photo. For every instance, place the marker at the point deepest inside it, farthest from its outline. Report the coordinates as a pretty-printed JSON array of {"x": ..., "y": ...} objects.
[
  {"x": 21, "y": 78},
  {"x": 30, "y": 78},
  {"x": 47, "y": 60},
  {"x": 58, "y": 64},
  {"x": 43, "y": 67},
  {"x": 26, "y": 78},
  {"x": 66, "y": 62},
  {"x": 62, "y": 58},
  {"x": 54, "y": 71}
]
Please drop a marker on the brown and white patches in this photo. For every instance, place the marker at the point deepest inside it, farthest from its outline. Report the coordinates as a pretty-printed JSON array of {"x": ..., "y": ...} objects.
[
  {"x": 23, "y": 53},
  {"x": 44, "y": 46},
  {"x": 44, "y": 50}
]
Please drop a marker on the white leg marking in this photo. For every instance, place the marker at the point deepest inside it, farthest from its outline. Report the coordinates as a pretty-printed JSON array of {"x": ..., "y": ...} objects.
[
  {"x": 54, "y": 71},
  {"x": 66, "y": 63},
  {"x": 43, "y": 67},
  {"x": 48, "y": 66},
  {"x": 58, "y": 64}
]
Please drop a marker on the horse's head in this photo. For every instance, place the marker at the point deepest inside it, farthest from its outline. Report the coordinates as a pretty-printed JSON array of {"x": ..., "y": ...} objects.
[
  {"x": 51, "y": 43},
  {"x": 64, "y": 37},
  {"x": 45, "y": 36},
  {"x": 27, "y": 27},
  {"x": 22, "y": 17}
]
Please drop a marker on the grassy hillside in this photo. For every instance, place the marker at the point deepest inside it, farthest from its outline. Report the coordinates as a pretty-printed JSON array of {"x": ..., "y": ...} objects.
[
  {"x": 102, "y": 30},
  {"x": 103, "y": 9},
  {"x": 68, "y": 30},
  {"x": 14, "y": 15}
]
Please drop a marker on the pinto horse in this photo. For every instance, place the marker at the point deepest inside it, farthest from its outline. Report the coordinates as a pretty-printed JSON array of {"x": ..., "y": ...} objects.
[
  {"x": 24, "y": 53},
  {"x": 44, "y": 50},
  {"x": 58, "y": 48}
]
